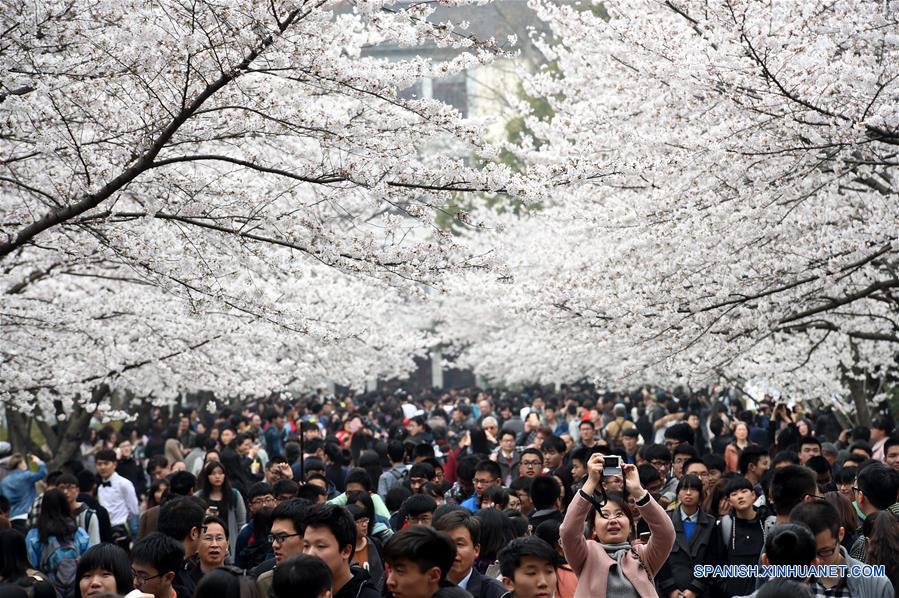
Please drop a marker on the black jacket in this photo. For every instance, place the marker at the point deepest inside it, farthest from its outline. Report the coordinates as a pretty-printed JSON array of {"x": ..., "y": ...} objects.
[
  {"x": 134, "y": 473},
  {"x": 484, "y": 587},
  {"x": 102, "y": 515},
  {"x": 677, "y": 572},
  {"x": 359, "y": 586}
]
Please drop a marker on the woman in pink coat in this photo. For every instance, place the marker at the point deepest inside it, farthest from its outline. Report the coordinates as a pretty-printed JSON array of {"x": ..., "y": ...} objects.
[{"x": 609, "y": 564}]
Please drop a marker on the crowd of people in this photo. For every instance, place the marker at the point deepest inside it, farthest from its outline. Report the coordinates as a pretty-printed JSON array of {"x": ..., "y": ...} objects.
[{"x": 468, "y": 493}]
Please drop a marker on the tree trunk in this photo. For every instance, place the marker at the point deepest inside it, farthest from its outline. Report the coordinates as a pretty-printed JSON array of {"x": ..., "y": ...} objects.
[
  {"x": 64, "y": 440},
  {"x": 859, "y": 394}
]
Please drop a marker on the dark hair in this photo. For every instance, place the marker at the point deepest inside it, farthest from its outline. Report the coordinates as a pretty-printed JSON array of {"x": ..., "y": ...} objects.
[
  {"x": 106, "y": 455},
  {"x": 882, "y": 531},
  {"x": 713, "y": 461},
  {"x": 259, "y": 489},
  {"x": 108, "y": 557},
  {"x": 396, "y": 452},
  {"x": 864, "y": 446},
  {"x": 784, "y": 588},
  {"x": 737, "y": 483},
  {"x": 809, "y": 440},
  {"x": 286, "y": 487},
  {"x": 785, "y": 457},
  {"x": 205, "y": 485},
  {"x": 818, "y": 464},
  {"x": 818, "y": 516},
  {"x": 528, "y": 451},
  {"x": 791, "y": 544},
  {"x": 879, "y": 483},
  {"x": 693, "y": 461},
  {"x": 359, "y": 476},
  {"x": 151, "y": 493},
  {"x": 545, "y": 491},
  {"x": 338, "y": 521},
  {"x": 182, "y": 482},
  {"x": 224, "y": 583},
  {"x": 498, "y": 495},
  {"x": 55, "y": 518},
  {"x": 882, "y": 423},
  {"x": 302, "y": 571},
  {"x": 395, "y": 498},
  {"x": 491, "y": 467},
  {"x": 422, "y": 545},
  {"x": 691, "y": 482},
  {"x": 179, "y": 515},
  {"x": 554, "y": 443},
  {"x": 460, "y": 518},
  {"x": 890, "y": 442},
  {"x": 587, "y": 422},
  {"x": 422, "y": 470},
  {"x": 647, "y": 474},
  {"x": 13, "y": 555},
  {"x": 466, "y": 468},
  {"x": 156, "y": 461},
  {"x": 548, "y": 531},
  {"x": 790, "y": 484},
  {"x": 846, "y": 475},
  {"x": 750, "y": 456},
  {"x": 506, "y": 432},
  {"x": 418, "y": 504},
  {"x": 510, "y": 557},
  {"x": 367, "y": 503},
  {"x": 213, "y": 519},
  {"x": 160, "y": 551},
  {"x": 682, "y": 432},
  {"x": 659, "y": 452},
  {"x": 294, "y": 509},
  {"x": 616, "y": 499},
  {"x": 496, "y": 532}
]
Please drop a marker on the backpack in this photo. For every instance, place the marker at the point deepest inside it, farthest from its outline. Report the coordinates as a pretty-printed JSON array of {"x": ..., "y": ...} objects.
[{"x": 59, "y": 561}]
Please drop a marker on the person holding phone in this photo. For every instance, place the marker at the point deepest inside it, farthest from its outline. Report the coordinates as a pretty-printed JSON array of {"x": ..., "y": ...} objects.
[
  {"x": 613, "y": 565},
  {"x": 223, "y": 501}
]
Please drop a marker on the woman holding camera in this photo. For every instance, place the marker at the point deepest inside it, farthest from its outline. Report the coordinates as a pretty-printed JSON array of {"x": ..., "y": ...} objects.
[{"x": 612, "y": 565}]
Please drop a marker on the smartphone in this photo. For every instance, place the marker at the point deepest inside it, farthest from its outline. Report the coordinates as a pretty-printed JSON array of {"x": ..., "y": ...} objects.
[
  {"x": 645, "y": 536},
  {"x": 611, "y": 465},
  {"x": 212, "y": 511}
]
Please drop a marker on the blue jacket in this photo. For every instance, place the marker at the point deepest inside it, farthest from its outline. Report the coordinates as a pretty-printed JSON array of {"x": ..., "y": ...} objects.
[
  {"x": 18, "y": 488},
  {"x": 35, "y": 548},
  {"x": 471, "y": 503}
]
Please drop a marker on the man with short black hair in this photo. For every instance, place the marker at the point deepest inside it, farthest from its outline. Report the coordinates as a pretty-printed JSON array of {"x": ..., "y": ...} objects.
[
  {"x": 790, "y": 486},
  {"x": 528, "y": 566},
  {"x": 302, "y": 571},
  {"x": 329, "y": 532},
  {"x": 546, "y": 494},
  {"x": 530, "y": 463},
  {"x": 506, "y": 456},
  {"x": 587, "y": 434},
  {"x": 420, "y": 558},
  {"x": 117, "y": 495},
  {"x": 181, "y": 483},
  {"x": 878, "y": 486},
  {"x": 155, "y": 561},
  {"x": 419, "y": 509},
  {"x": 181, "y": 518},
  {"x": 824, "y": 521},
  {"x": 394, "y": 476},
  {"x": 285, "y": 538},
  {"x": 809, "y": 447},
  {"x": 487, "y": 474},
  {"x": 465, "y": 532},
  {"x": 891, "y": 452},
  {"x": 754, "y": 461}
]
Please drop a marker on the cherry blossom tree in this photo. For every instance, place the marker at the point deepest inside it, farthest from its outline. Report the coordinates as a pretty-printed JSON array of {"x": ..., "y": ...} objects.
[
  {"x": 750, "y": 226},
  {"x": 228, "y": 196}
]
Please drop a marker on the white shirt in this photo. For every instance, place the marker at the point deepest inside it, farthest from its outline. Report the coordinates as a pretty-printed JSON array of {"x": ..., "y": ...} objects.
[
  {"x": 119, "y": 498},
  {"x": 464, "y": 583}
]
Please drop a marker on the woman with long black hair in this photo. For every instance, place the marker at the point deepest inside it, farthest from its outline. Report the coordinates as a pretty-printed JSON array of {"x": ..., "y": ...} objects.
[
  {"x": 56, "y": 544},
  {"x": 224, "y": 501}
]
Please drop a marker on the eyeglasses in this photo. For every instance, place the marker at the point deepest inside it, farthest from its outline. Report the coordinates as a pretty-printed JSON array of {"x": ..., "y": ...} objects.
[
  {"x": 701, "y": 476},
  {"x": 483, "y": 482},
  {"x": 279, "y": 538},
  {"x": 659, "y": 463},
  {"x": 143, "y": 578},
  {"x": 262, "y": 500},
  {"x": 215, "y": 539},
  {"x": 531, "y": 463},
  {"x": 828, "y": 552}
]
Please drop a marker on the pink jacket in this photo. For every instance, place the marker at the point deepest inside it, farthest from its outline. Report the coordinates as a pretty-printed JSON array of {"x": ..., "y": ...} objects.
[{"x": 591, "y": 563}]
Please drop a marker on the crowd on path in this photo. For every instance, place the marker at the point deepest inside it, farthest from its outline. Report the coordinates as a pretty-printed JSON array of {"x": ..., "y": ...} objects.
[{"x": 470, "y": 493}]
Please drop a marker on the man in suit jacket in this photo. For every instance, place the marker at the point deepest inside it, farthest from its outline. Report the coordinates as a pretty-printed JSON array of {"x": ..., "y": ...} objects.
[{"x": 465, "y": 532}]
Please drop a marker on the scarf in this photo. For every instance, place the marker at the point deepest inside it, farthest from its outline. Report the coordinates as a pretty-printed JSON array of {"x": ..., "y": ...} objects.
[{"x": 618, "y": 585}]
